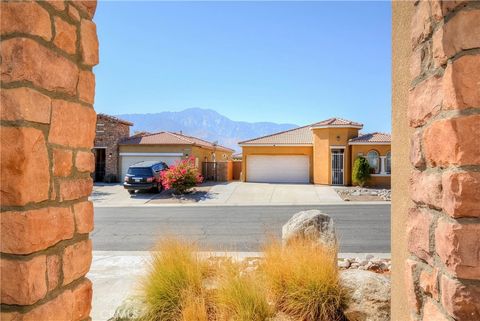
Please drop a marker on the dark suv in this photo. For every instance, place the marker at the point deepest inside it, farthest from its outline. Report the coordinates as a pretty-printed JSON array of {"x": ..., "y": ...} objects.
[{"x": 144, "y": 176}]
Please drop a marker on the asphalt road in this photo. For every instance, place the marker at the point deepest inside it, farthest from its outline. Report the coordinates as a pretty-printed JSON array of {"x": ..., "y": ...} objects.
[{"x": 360, "y": 228}]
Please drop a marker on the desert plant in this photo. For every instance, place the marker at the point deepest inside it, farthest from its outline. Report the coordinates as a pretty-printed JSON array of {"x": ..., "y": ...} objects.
[
  {"x": 303, "y": 280},
  {"x": 241, "y": 296},
  {"x": 174, "y": 277},
  {"x": 361, "y": 171},
  {"x": 182, "y": 176},
  {"x": 195, "y": 307}
]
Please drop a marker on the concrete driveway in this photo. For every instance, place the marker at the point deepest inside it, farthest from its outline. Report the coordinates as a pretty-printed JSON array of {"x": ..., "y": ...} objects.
[
  {"x": 231, "y": 193},
  {"x": 239, "y": 193}
]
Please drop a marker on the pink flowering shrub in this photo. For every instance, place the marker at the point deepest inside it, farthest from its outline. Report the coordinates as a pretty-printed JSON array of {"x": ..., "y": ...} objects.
[{"x": 182, "y": 176}]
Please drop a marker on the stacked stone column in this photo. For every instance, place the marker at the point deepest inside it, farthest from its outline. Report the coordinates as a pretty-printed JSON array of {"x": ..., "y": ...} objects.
[
  {"x": 443, "y": 271},
  {"x": 48, "y": 49}
]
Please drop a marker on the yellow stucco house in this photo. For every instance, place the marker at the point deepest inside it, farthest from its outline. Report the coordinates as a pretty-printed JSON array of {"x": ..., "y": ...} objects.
[{"x": 320, "y": 153}]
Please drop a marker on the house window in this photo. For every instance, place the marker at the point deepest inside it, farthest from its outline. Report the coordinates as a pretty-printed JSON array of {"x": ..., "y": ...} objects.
[
  {"x": 224, "y": 156},
  {"x": 374, "y": 161},
  {"x": 388, "y": 163}
]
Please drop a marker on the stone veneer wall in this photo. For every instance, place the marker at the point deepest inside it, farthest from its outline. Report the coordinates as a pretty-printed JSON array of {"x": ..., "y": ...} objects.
[
  {"x": 109, "y": 133},
  {"x": 48, "y": 49},
  {"x": 443, "y": 270}
]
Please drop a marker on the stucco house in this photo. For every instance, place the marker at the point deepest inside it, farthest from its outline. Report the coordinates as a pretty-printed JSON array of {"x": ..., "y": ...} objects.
[
  {"x": 319, "y": 153},
  {"x": 169, "y": 147}
]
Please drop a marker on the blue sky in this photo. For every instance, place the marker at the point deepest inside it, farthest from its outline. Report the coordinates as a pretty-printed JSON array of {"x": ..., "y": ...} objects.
[{"x": 286, "y": 62}]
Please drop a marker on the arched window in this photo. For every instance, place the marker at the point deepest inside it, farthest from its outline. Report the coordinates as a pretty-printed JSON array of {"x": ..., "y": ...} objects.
[
  {"x": 374, "y": 161},
  {"x": 388, "y": 163}
]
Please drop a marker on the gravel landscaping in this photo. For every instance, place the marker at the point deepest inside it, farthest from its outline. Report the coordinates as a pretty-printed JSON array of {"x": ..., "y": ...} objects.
[{"x": 364, "y": 194}]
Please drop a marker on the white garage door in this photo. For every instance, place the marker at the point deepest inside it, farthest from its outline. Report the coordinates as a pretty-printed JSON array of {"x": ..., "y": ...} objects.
[
  {"x": 128, "y": 159},
  {"x": 278, "y": 169}
]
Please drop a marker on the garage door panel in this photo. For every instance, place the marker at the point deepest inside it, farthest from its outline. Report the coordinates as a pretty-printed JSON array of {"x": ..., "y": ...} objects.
[
  {"x": 278, "y": 169},
  {"x": 127, "y": 161}
]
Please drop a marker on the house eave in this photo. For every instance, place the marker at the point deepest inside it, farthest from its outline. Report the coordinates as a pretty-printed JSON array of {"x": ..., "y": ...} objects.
[
  {"x": 274, "y": 145},
  {"x": 367, "y": 143},
  {"x": 337, "y": 126}
]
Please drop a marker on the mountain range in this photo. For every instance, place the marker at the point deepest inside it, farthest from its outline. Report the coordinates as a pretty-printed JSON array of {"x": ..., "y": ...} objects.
[{"x": 204, "y": 123}]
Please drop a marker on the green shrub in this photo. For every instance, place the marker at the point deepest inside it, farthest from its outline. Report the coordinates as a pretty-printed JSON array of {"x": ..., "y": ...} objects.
[
  {"x": 303, "y": 280},
  {"x": 361, "y": 171}
]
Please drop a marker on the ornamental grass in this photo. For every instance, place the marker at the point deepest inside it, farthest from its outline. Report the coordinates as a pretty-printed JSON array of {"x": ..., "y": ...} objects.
[
  {"x": 303, "y": 280},
  {"x": 241, "y": 296},
  {"x": 173, "y": 285},
  {"x": 300, "y": 280}
]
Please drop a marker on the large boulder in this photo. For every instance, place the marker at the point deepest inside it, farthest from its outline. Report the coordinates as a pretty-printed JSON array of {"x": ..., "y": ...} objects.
[
  {"x": 312, "y": 224},
  {"x": 131, "y": 309},
  {"x": 369, "y": 295}
]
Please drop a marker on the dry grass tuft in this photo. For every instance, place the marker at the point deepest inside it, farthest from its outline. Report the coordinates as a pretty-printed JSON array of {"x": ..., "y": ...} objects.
[
  {"x": 195, "y": 307},
  {"x": 174, "y": 279},
  {"x": 303, "y": 280},
  {"x": 240, "y": 296},
  {"x": 300, "y": 280}
]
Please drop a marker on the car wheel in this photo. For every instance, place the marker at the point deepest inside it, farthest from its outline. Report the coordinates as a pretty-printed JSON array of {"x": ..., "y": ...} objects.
[{"x": 131, "y": 191}]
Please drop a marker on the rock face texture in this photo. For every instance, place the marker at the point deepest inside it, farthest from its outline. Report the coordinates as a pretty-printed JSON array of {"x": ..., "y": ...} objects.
[
  {"x": 441, "y": 274},
  {"x": 311, "y": 224},
  {"x": 369, "y": 295},
  {"x": 46, "y": 136}
]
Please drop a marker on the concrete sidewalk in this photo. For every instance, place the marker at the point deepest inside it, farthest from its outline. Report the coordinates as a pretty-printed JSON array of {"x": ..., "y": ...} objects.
[
  {"x": 117, "y": 274},
  {"x": 211, "y": 194}
]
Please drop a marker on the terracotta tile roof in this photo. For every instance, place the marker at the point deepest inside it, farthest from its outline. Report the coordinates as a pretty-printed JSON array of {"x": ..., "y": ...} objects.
[
  {"x": 296, "y": 136},
  {"x": 336, "y": 122},
  {"x": 300, "y": 135},
  {"x": 115, "y": 119},
  {"x": 372, "y": 138},
  {"x": 168, "y": 138}
]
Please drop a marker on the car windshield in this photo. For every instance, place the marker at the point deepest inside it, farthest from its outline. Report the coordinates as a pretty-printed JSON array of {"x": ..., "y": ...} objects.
[{"x": 140, "y": 171}]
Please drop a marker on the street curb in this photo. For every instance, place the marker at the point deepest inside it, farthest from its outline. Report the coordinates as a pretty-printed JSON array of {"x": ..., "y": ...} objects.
[
  {"x": 236, "y": 255},
  {"x": 252, "y": 204}
]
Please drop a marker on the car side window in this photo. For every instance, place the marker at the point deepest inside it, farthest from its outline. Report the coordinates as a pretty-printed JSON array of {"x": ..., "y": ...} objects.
[{"x": 156, "y": 168}]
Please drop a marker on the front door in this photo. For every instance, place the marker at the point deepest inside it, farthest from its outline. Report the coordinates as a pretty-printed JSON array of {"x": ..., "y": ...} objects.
[
  {"x": 99, "y": 174},
  {"x": 337, "y": 166}
]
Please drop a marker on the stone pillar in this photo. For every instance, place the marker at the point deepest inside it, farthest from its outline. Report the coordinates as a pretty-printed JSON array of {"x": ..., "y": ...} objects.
[
  {"x": 443, "y": 226},
  {"x": 47, "y": 129}
]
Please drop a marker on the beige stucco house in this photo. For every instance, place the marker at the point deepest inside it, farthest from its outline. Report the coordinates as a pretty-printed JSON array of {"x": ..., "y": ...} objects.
[
  {"x": 169, "y": 147},
  {"x": 319, "y": 153}
]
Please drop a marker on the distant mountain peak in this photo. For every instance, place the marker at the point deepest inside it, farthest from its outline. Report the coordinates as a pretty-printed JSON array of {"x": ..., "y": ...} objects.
[{"x": 203, "y": 123}]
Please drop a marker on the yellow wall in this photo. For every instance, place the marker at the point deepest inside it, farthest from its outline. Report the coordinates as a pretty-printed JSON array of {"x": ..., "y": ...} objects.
[
  {"x": 323, "y": 138},
  {"x": 381, "y": 149},
  {"x": 381, "y": 181},
  {"x": 275, "y": 150},
  {"x": 201, "y": 153}
]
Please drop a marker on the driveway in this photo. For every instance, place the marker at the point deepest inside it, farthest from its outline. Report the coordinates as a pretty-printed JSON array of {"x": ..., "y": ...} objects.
[{"x": 231, "y": 193}]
